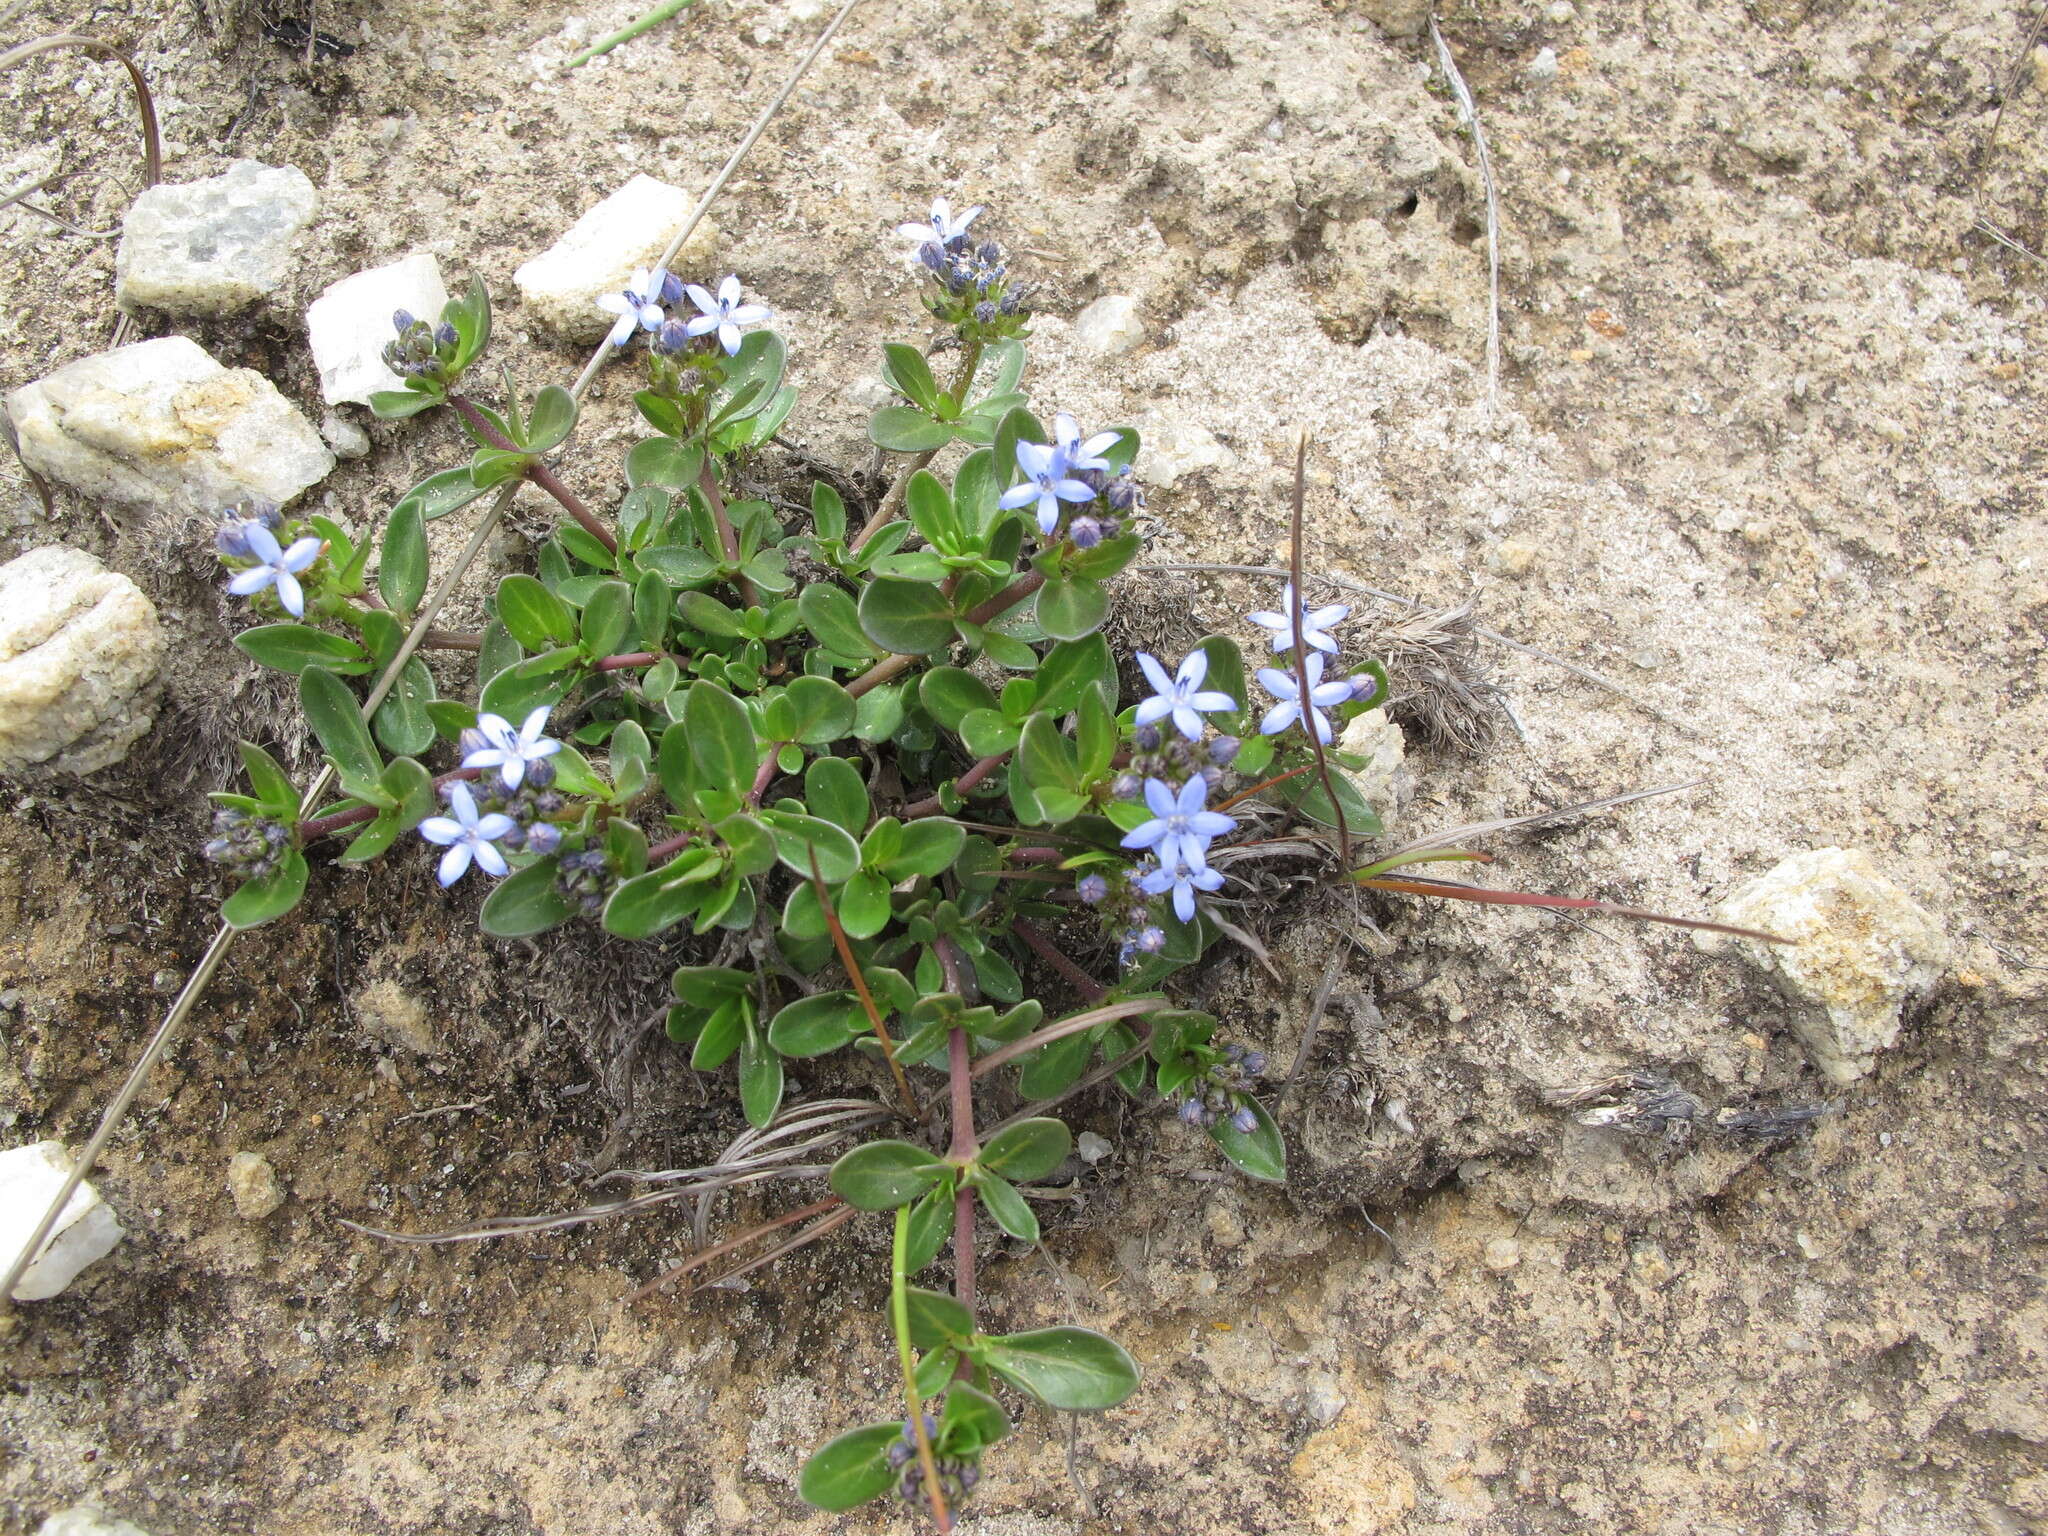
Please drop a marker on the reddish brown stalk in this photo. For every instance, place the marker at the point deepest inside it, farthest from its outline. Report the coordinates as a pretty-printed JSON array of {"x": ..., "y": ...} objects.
[
  {"x": 341, "y": 821},
  {"x": 931, "y": 805},
  {"x": 1090, "y": 989},
  {"x": 889, "y": 666},
  {"x": 697, "y": 1261},
  {"x": 1308, "y": 709},
  {"x": 453, "y": 640},
  {"x": 728, "y": 540},
  {"x": 537, "y": 472},
  {"x": 860, "y": 988},
  {"x": 1572, "y": 903},
  {"x": 1279, "y": 778},
  {"x": 763, "y": 777},
  {"x": 627, "y": 660},
  {"x": 668, "y": 846}
]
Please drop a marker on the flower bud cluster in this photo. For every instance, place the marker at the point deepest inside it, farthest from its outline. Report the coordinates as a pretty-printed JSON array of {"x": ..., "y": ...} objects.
[
  {"x": 975, "y": 294},
  {"x": 1174, "y": 759},
  {"x": 1220, "y": 1092},
  {"x": 957, "y": 1474},
  {"x": 251, "y": 845},
  {"x": 231, "y": 539},
  {"x": 585, "y": 880},
  {"x": 420, "y": 350}
]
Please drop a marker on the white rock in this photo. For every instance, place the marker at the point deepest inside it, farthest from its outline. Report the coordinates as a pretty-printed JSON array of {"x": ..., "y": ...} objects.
[
  {"x": 160, "y": 424},
  {"x": 350, "y": 323},
  {"x": 88, "y": 1520},
  {"x": 254, "y": 1184},
  {"x": 1543, "y": 68},
  {"x": 211, "y": 247},
  {"x": 1110, "y": 325},
  {"x": 86, "y": 1232},
  {"x": 1384, "y": 782},
  {"x": 602, "y": 250},
  {"x": 79, "y": 646},
  {"x": 348, "y": 440},
  {"x": 1862, "y": 950},
  {"x": 1175, "y": 448}
]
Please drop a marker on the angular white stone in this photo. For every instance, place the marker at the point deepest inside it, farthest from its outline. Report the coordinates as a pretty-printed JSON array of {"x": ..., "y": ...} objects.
[
  {"x": 602, "y": 250},
  {"x": 160, "y": 424},
  {"x": 350, "y": 323},
  {"x": 86, "y": 1232},
  {"x": 88, "y": 1520},
  {"x": 79, "y": 646},
  {"x": 211, "y": 247},
  {"x": 1384, "y": 783},
  {"x": 1110, "y": 325},
  {"x": 1176, "y": 447},
  {"x": 1862, "y": 950}
]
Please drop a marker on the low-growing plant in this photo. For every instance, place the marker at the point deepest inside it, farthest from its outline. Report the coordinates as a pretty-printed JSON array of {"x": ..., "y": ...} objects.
[{"x": 852, "y": 765}]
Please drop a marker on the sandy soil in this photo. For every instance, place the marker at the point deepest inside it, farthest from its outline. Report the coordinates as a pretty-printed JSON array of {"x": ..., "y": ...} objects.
[{"x": 1767, "y": 453}]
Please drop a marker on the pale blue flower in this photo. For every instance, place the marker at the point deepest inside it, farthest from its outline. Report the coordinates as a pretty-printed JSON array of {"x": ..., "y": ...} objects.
[
  {"x": 1183, "y": 879},
  {"x": 1046, "y": 482},
  {"x": 723, "y": 313},
  {"x": 1076, "y": 454},
  {"x": 507, "y": 750},
  {"x": 943, "y": 228},
  {"x": 639, "y": 303},
  {"x": 1285, "y": 687},
  {"x": 1182, "y": 826},
  {"x": 275, "y": 567},
  {"x": 1313, "y": 624},
  {"x": 467, "y": 836},
  {"x": 1181, "y": 695}
]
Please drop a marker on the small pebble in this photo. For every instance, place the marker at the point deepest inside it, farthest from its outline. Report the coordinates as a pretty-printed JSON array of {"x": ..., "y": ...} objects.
[
  {"x": 1502, "y": 1255},
  {"x": 254, "y": 1184},
  {"x": 1543, "y": 68}
]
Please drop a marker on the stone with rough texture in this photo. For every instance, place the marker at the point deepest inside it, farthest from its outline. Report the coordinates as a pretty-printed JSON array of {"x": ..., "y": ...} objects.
[
  {"x": 1862, "y": 950},
  {"x": 88, "y": 1520},
  {"x": 85, "y": 1233},
  {"x": 1176, "y": 447},
  {"x": 600, "y": 252},
  {"x": 350, "y": 324},
  {"x": 214, "y": 246},
  {"x": 254, "y": 1184},
  {"x": 160, "y": 424},
  {"x": 1110, "y": 325},
  {"x": 1384, "y": 783},
  {"x": 1398, "y": 18},
  {"x": 79, "y": 647}
]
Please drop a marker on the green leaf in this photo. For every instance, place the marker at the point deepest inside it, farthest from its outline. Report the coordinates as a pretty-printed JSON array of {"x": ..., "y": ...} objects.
[
  {"x": 294, "y": 647},
  {"x": 1030, "y": 1149},
  {"x": 402, "y": 722},
  {"x": 799, "y": 838},
  {"x": 402, "y": 565},
  {"x": 552, "y": 418},
  {"x": 664, "y": 461},
  {"x": 949, "y": 694},
  {"x": 930, "y": 506},
  {"x": 721, "y": 737},
  {"x": 833, "y": 790},
  {"x": 721, "y": 1035},
  {"x": 906, "y": 429},
  {"x": 845, "y": 1473},
  {"x": 818, "y": 1024},
  {"x": 447, "y": 491},
  {"x": 525, "y": 903},
  {"x": 471, "y": 316},
  {"x": 397, "y": 404},
  {"x": 1069, "y": 670},
  {"x": 912, "y": 617},
  {"x": 256, "y": 902},
  {"x": 1047, "y": 757},
  {"x": 834, "y": 622},
  {"x": 985, "y": 732},
  {"x": 709, "y": 986},
  {"x": 1053, "y": 1068},
  {"x": 1070, "y": 607},
  {"x": 1309, "y": 799},
  {"x": 878, "y": 713},
  {"x": 494, "y": 466},
  {"x": 882, "y": 1175},
  {"x": 936, "y": 1318},
  {"x": 825, "y": 712},
  {"x": 607, "y": 615},
  {"x": 931, "y": 1222},
  {"x": 1010, "y": 1210},
  {"x": 1226, "y": 668},
  {"x": 647, "y": 904},
  {"x": 337, "y": 719},
  {"x": 929, "y": 845},
  {"x": 1260, "y": 1152},
  {"x": 760, "y": 1080},
  {"x": 971, "y": 1420},
  {"x": 752, "y": 845},
  {"x": 537, "y": 618},
  {"x": 1076, "y": 1369},
  {"x": 863, "y": 905},
  {"x": 907, "y": 372},
  {"x": 267, "y": 780}
]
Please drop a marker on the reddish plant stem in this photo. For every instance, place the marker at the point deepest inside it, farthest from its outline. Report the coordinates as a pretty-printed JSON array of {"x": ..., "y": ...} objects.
[
  {"x": 453, "y": 640},
  {"x": 668, "y": 846},
  {"x": 763, "y": 777},
  {"x": 537, "y": 472},
  {"x": 341, "y": 821},
  {"x": 1090, "y": 989},
  {"x": 1035, "y": 855},
  {"x": 627, "y": 660},
  {"x": 931, "y": 805},
  {"x": 728, "y": 539},
  {"x": 890, "y": 666}
]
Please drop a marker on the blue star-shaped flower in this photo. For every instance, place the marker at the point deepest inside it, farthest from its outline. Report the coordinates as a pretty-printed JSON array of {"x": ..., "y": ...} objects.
[
  {"x": 1047, "y": 482},
  {"x": 511, "y": 751},
  {"x": 723, "y": 312},
  {"x": 1181, "y": 695},
  {"x": 1182, "y": 826},
  {"x": 467, "y": 836},
  {"x": 943, "y": 228},
  {"x": 1313, "y": 624},
  {"x": 1183, "y": 879},
  {"x": 275, "y": 567},
  {"x": 1285, "y": 687},
  {"x": 639, "y": 303}
]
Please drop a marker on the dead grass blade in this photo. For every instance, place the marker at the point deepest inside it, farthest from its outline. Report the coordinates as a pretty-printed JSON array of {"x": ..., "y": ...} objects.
[
  {"x": 1480, "y": 893},
  {"x": 1301, "y": 680},
  {"x": 697, "y": 1261},
  {"x": 1452, "y": 837},
  {"x": 1468, "y": 111}
]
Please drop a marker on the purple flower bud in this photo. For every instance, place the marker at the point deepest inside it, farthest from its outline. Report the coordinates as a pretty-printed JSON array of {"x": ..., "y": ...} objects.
[
  {"x": 933, "y": 258},
  {"x": 991, "y": 254},
  {"x": 1223, "y": 751},
  {"x": 1254, "y": 1062},
  {"x": 232, "y": 540},
  {"x": 1085, "y": 531},
  {"x": 1363, "y": 686},
  {"x": 1124, "y": 492},
  {"x": 1244, "y": 1122},
  {"x": 445, "y": 335},
  {"x": 1233, "y": 1054},
  {"x": 1146, "y": 738},
  {"x": 1150, "y": 940},
  {"x": 471, "y": 740},
  {"x": 671, "y": 338},
  {"x": 515, "y": 839},
  {"x": 540, "y": 772},
  {"x": 1091, "y": 888},
  {"x": 1191, "y": 1112},
  {"x": 671, "y": 289},
  {"x": 1127, "y": 786},
  {"x": 402, "y": 320},
  {"x": 543, "y": 837}
]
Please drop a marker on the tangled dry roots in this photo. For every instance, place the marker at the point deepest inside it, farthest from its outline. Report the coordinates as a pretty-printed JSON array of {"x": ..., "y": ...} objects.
[{"x": 1442, "y": 688}]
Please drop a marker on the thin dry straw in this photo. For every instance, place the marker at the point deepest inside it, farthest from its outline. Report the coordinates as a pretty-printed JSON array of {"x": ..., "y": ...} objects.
[
  {"x": 1469, "y": 111},
  {"x": 202, "y": 974}
]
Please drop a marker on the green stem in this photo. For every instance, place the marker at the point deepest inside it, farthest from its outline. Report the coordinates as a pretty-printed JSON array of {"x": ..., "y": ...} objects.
[
  {"x": 631, "y": 30},
  {"x": 899, "y": 1313}
]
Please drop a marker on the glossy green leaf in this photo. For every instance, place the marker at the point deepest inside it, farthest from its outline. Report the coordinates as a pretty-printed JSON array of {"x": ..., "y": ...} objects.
[
  {"x": 833, "y": 790},
  {"x": 928, "y": 845},
  {"x": 1008, "y": 1209},
  {"x": 950, "y": 694},
  {"x": 818, "y": 1024},
  {"x": 911, "y": 617},
  {"x": 971, "y": 1420},
  {"x": 1260, "y": 1152},
  {"x": 721, "y": 737},
  {"x": 1030, "y": 1149},
  {"x": 936, "y": 1318},
  {"x": 824, "y": 711},
  {"x": 537, "y": 618},
  {"x": 882, "y": 1175},
  {"x": 607, "y": 617},
  {"x": 267, "y": 781},
  {"x": 294, "y": 647},
  {"x": 799, "y": 839},
  {"x": 906, "y": 429},
  {"x": 256, "y": 902},
  {"x": 1070, "y": 607},
  {"x": 402, "y": 723},
  {"x": 551, "y": 420},
  {"x": 829, "y": 614},
  {"x": 850, "y": 1470},
  {"x": 760, "y": 1080},
  {"x": 337, "y": 719},
  {"x": 1076, "y": 1369},
  {"x": 525, "y": 903},
  {"x": 402, "y": 565}
]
